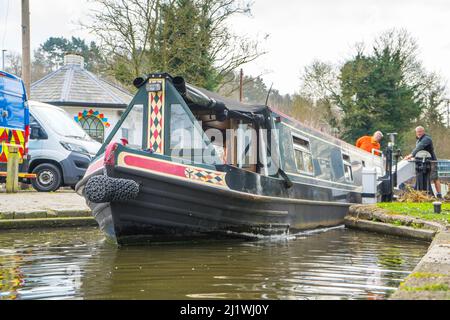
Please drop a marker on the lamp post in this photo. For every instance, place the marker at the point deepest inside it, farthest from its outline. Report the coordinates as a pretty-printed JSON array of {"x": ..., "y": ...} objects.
[
  {"x": 389, "y": 180},
  {"x": 3, "y": 58}
]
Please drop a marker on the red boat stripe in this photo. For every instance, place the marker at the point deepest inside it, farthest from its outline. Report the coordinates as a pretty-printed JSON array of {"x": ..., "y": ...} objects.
[{"x": 149, "y": 164}]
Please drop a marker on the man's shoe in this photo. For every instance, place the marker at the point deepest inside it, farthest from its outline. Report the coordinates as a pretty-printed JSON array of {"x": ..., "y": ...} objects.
[{"x": 439, "y": 196}]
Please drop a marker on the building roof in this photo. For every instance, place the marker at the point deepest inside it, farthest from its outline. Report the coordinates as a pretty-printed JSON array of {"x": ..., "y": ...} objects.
[{"x": 72, "y": 85}]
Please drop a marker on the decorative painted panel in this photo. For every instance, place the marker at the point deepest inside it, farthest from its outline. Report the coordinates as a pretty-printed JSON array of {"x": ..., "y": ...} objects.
[
  {"x": 156, "y": 118},
  {"x": 205, "y": 175}
]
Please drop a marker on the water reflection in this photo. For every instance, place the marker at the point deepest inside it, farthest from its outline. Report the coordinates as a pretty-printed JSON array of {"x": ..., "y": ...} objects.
[{"x": 80, "y": 264}]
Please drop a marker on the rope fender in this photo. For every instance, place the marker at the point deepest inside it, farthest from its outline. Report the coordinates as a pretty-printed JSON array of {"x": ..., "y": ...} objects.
[{"x": 101, "y": 189}]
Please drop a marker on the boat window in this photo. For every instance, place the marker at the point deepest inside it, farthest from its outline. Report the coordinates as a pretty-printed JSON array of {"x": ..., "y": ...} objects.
[
  {"x": 125, "y": 133},
  {"x": 348, "y": 172},
  {"x": 131, "y": 129},
  {"x": 246, "y": 150},
  {"x": 184, "y": 133},
  {"x": 324, "y": 166},
  {"x": 302, "y": 154},
  {"x": 187, "y": 139},
  {"x": 287, "y": 153}
]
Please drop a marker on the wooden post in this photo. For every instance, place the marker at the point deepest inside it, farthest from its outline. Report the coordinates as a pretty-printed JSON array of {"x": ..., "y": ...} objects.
[
  {"x": 26, "y": 54},
  {"x": 12, "y": 171}
]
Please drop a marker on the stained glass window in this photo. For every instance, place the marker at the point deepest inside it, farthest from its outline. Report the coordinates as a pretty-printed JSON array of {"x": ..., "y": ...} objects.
[{"x": 93, "y": 127}]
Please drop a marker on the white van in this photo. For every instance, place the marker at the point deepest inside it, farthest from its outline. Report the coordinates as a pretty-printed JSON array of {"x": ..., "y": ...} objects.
[{"x": 60, "y": 150}]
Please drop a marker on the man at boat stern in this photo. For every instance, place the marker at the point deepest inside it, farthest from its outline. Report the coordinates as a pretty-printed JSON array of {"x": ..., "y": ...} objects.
[
  {"x": 371, "y": 143},
  {"x": 424, "y": 142}
]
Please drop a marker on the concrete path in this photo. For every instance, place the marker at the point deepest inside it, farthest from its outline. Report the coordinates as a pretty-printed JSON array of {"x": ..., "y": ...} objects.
[
  {"x": 35, "y": 210},
  {"x": 25, "y": 201}
]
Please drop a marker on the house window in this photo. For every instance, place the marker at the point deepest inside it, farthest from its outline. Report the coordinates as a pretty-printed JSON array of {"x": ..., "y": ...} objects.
[
  {"x": 93, "y": 127},
  {"x": 348, "y": 172},
  {"x": 302, "y": 155}
]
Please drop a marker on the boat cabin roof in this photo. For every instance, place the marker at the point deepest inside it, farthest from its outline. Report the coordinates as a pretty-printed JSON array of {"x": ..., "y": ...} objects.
[{"x": 230, "y": 104}]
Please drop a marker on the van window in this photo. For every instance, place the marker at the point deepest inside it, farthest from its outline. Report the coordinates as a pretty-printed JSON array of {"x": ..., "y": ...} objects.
[
  {"x": 33, "y": 120},
  {"x": 60, "y": 122},
  {"x": 348, "y": 172},
  {"x": 302, "y": 154}
]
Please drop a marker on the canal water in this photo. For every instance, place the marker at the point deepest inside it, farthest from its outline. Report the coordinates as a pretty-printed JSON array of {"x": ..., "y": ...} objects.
[{"x": 80, "y": 264}]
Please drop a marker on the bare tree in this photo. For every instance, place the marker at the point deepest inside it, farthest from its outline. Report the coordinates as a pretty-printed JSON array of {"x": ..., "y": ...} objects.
[
  {"x": 14, "y": 63},
  {"x": 320, "y": 86},
  {"x": 433, "y": 94},
  {"x": 126, "y": 28},
  {"x": 320, "y": 81},
  {"x": 173, "y": 35},
  {"x": 229, "y": 51},
  {"x": 401, "y": 42}
]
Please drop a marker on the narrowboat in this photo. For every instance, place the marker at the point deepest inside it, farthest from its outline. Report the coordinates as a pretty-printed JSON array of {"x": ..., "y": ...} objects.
[{"x": 185, "y": 163}]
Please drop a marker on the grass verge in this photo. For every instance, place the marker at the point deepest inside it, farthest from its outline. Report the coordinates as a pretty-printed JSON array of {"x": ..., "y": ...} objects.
[{"x": 423, "y": 211}]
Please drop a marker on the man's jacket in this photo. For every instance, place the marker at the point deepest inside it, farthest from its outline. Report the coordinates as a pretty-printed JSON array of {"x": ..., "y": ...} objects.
[
  {"x": 424, "y": 143},
  {"x": 368, "y": 143}
]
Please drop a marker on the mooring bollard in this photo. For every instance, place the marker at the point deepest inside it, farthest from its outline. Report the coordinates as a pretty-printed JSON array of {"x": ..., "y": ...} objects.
[
  {"x": 12, "y": 170},
  {"x": 437, "y": 207}
]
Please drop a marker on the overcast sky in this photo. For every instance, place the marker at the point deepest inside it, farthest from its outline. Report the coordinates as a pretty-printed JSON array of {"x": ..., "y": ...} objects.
[{"x": 300, "y": 30}]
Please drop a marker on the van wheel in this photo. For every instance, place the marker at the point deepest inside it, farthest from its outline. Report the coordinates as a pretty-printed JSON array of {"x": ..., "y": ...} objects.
[{"x": 48, "y": 178}]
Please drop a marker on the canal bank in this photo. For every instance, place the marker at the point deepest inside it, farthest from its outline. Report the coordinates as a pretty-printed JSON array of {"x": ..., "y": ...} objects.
[
  {"x": 28, "y": 210},
  {"x": 430, "y": 279}
]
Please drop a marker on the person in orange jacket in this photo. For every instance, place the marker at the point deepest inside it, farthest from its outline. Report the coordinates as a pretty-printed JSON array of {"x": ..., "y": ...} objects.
[{"x": 370, "y": 144}]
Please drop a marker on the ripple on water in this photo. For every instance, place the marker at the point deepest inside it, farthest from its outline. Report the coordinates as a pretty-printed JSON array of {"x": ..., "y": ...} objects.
[{"x": 335, "y": 263}]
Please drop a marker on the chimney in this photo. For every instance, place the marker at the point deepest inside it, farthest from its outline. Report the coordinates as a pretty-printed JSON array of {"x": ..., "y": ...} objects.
[{"x": 74, "y": 60}]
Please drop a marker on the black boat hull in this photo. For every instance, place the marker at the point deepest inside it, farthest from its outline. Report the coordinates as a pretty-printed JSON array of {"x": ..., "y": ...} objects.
[{"x": 170, "y": 209}]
